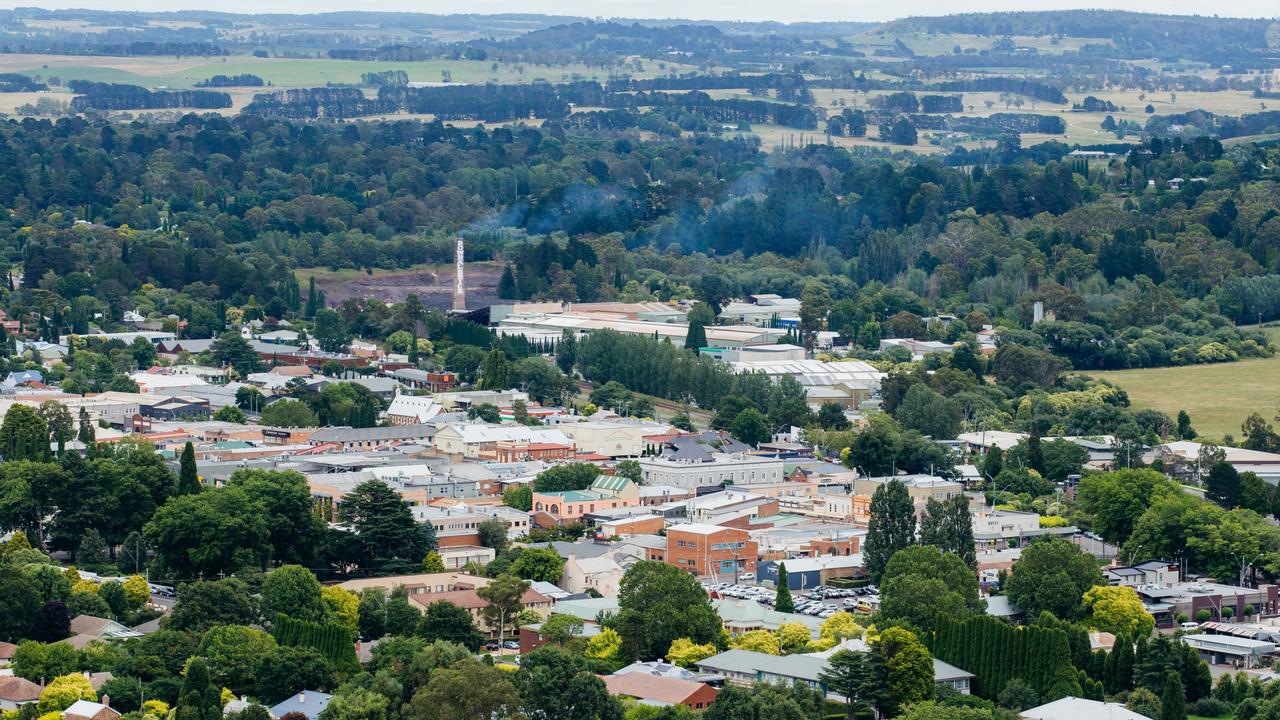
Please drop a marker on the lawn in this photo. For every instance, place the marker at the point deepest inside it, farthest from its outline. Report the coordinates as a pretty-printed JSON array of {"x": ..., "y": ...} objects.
[{"x": 1218, "y": 397}]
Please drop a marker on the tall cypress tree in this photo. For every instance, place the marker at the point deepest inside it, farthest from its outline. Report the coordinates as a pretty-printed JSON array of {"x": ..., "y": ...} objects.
[
  {"x": 188, "y": 477},
  {"x": 782, "y": 601},
  {"x": 1035, "y": 454},
  {"x": 696, "y": 338},
  {"x": 1173, "y": 701},
  {"x": 892, "y": 526}
]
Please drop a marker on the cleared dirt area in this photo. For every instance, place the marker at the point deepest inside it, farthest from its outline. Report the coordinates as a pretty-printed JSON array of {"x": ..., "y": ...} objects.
[{"x": 433, "y": 284}]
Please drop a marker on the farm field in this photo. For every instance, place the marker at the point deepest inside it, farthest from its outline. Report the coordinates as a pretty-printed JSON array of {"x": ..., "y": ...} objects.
[
  {"x": 169, "y": 72},
  {"x": 1218, "y": 397}
]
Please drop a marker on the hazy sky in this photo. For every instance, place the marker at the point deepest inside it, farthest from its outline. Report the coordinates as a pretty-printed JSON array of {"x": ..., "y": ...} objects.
[{"x": 789, "y": 10}]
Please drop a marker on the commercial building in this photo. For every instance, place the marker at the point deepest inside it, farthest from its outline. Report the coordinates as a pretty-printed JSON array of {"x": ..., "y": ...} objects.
[
  {"x": 711, "y": 550},
  {"x": 919, "y": 487},
  {"x": 478, "y": 440},
  {"x": 848, "y": 384},
  {"x": 710, "y": 469},
  {"x": 564, "y": 506}
]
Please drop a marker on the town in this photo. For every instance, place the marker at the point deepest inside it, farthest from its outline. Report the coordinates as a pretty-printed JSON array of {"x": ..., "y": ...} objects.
[
  {"x": 778, "y": 363},
  {"x": 312, "y": 509}
]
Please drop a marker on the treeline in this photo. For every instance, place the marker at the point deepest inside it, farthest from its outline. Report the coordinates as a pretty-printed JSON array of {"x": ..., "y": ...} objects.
[
  {"x": 386, "y": 78},
  {"x": 993, "y": 125},
  {"x": 332, "y": 640},
  {"x": 114, "y": 96},
  {"x": 997, "y": 652},
  {"x": 505, "y": 103},
  {"x": 1017, "y": 86},
  {"x": 907, "y": 102},
  {"x": 309, "y": 103},
  {"x": 140, "y": 48},
  {"x": 392, "y": 53},
  {"x": 1222, "y": 126},
  {"x": 244, "y": 80},
  {"x": 696, "y": 81},
  {"x": 13, "y": 82}
]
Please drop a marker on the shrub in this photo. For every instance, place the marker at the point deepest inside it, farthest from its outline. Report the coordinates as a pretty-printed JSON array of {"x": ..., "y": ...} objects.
[{"x": 1211, "y": 708}]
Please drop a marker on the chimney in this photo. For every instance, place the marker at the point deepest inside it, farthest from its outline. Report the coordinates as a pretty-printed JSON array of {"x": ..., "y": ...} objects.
[{"x": 106, "y": 701}]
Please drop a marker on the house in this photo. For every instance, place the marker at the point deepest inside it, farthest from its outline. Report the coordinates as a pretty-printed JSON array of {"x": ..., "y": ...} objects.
[
  {"x": 458, "y": 557},
  {"x": 308, "y": 702},
  {"x": 88, "y": 627},
  {"x": 947, "y": 675},
  {"x": 657, "y": 690},
  {"x": 1074, "y": 708},
  {"x": 86, "y": 710},
  {"x": 1152, "y": 572},
  {"x": 7, "y": 649},
  {"x": 661, "y": 668},
  {"x": 744, "y": 667},
  {"x": 469, "y": 600},
  {"x": 600, "y": 573},
  {"x": 16, "y": 692},
  {"x": 739, "y": 616},
  {"x": 711, "y": 550},
  {"x": 531, "y": 637}
]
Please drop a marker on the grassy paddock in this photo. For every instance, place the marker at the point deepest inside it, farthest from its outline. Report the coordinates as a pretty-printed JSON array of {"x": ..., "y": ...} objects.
[{"x": 1218, "y": 397}]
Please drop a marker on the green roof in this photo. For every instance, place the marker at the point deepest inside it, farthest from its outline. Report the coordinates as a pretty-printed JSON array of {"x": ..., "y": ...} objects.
[
  {"x": 575, "y": 495},
  {"x": 613, "y": 483}
]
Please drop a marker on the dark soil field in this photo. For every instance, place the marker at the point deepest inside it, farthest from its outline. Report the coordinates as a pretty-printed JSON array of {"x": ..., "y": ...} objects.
[{"x": 432, "y": 283}]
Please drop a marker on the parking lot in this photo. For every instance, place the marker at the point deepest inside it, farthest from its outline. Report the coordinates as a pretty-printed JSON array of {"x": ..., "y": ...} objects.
[{"x": 822, "y": 602}]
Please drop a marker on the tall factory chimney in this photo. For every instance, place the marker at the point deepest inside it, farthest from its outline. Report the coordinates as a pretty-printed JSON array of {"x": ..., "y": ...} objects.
[{"x": 459, "y": 284}]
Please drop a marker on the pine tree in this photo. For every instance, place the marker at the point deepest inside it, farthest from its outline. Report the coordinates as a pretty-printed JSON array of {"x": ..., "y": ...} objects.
[
  {"x": 891, "y": 528},
  {"x": 1035, "y": 454},
  {"x": 992, "y": 463},
  {"x": 567, "y": 351},
  {"x": 696, "y": 337},
  {"x": 507, "y": 284},
  {"x": 188, "y": 477},
  {"x": 1122, "y": 674},
  {"x": 782, "y": 601},
  {"x": 1173, "y": 701},
  {"x": 313, "y": 300},
  {"x": 86, "y": 434}
]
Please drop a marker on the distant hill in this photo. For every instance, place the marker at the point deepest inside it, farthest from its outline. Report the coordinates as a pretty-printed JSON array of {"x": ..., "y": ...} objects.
[{"x": 1161, "y": 34}]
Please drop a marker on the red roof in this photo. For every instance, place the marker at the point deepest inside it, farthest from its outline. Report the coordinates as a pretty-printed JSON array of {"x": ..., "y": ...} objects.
[
  {"x": 18, "y": 690},
  {"x": 470, "y": 600},
  {"x": 652, "y": 687}
]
